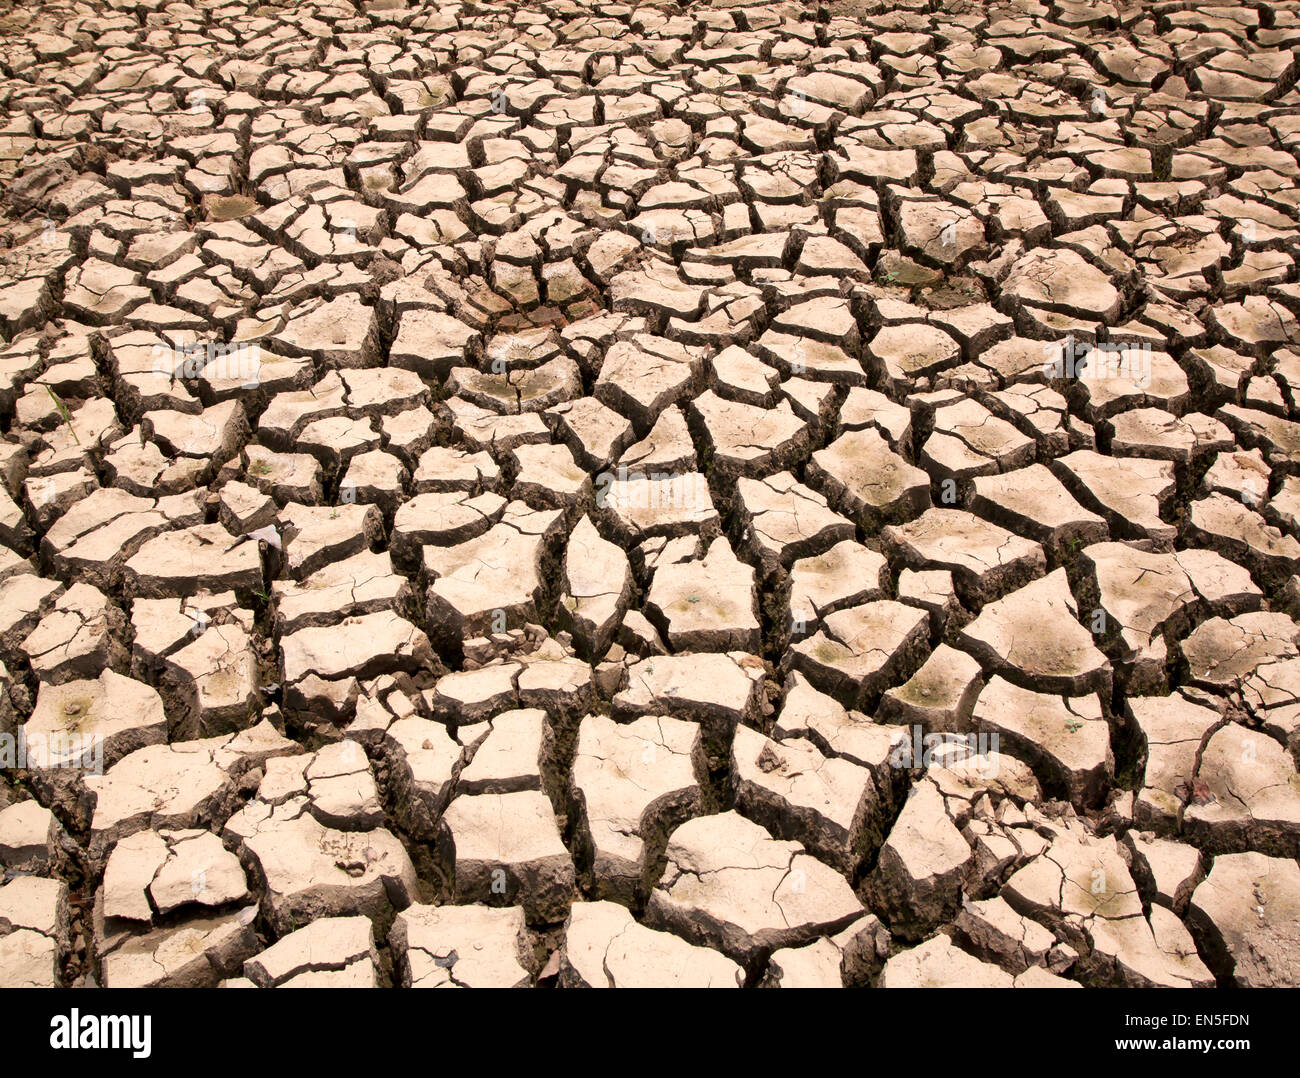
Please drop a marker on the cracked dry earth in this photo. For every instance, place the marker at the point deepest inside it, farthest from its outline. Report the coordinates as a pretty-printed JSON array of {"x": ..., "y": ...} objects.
[{"x": 509, "y": 489}]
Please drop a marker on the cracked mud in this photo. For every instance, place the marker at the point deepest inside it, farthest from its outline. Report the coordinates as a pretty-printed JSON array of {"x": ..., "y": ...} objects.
[{"x": 697, "y": 494}]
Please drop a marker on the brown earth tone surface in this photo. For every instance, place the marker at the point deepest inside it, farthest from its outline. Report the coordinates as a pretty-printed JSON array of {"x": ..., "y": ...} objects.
[{"x": 708, "y": 494}]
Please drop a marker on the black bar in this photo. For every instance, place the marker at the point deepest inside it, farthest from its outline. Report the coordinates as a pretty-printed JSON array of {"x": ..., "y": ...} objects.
[{"x": 208, "y": 1028}]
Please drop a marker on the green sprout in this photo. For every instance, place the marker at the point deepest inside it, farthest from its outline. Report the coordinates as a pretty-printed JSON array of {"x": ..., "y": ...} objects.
[{"x": 63, "y": 412}]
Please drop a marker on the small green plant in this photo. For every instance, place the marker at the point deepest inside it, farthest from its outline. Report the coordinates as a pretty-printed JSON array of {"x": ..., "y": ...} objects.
[{"x": 63, "y": 412}]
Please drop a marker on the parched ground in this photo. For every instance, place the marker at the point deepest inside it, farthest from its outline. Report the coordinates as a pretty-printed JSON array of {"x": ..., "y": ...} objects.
[{"x": 705, "y": 494}]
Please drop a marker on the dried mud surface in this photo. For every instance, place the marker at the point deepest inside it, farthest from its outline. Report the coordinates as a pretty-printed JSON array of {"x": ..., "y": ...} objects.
[{"x": 703, "y": 494}]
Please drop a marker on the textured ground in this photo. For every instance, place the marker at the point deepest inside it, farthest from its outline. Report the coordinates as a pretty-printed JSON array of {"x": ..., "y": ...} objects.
[{"x": 516, "y": 493}]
